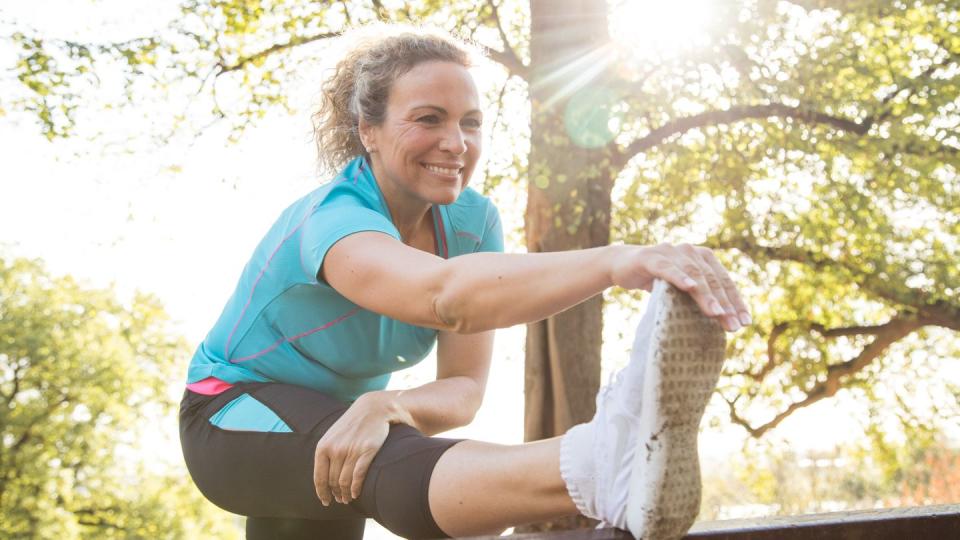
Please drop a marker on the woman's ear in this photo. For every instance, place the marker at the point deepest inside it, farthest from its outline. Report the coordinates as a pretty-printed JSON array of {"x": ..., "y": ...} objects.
[{"x": 367, "y": 137}]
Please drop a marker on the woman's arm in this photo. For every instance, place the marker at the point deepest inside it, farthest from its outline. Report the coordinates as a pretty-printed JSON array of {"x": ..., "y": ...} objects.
[
  {"x": 344, "y": 453},
  {"x": 483, "y": 291},
  {"x": 451, "y": 401}
]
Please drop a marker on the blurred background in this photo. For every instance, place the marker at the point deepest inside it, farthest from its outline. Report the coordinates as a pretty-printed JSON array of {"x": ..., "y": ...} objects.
[{"x": 145, "y": 147}]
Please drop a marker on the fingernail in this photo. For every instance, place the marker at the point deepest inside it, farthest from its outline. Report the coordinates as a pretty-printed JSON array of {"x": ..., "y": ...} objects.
[
  {"x": 689, "y": 282},
  {"x": 715, "y": 308},
  {"x": 745, "y": 318},
  {"x": 734, "y": 323}
]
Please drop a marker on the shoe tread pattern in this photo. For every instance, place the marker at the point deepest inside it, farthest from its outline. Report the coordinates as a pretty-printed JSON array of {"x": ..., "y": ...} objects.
[{"x": 689, "y": 352}]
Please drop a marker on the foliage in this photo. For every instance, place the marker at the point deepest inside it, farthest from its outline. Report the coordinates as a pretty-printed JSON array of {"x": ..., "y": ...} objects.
[
  {"x": 81, "y": 375},
  {"x": 813, "y": 144},
  {"x": 822, "y": 161}
]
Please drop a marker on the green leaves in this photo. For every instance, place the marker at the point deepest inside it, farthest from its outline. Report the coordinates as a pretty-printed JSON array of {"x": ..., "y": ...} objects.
[
  {"x": 834, "y": 230},
  {"x": 81, "y": 378},
  {"x": 838, "y": 203}
]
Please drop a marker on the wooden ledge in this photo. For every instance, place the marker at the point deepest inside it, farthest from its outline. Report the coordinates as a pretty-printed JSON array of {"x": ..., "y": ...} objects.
[{"x": 926, "y": 522}]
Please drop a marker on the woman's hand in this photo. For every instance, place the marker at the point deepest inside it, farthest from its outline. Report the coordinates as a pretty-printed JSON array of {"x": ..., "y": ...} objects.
[
  {"x": 692, "y": 269},
  {"x": 344, "y": 453}
]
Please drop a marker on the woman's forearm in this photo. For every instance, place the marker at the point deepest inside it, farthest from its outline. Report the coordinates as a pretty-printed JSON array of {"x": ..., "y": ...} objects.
[
  {"x": 483, "y": 291},
  {"x": 432, "y": 408}
]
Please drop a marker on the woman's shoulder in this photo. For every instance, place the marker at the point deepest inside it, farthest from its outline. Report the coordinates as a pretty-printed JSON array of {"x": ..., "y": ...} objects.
[
  {"x": 353, "y": 186},
  {"x": 473, "y": 210},
  {"x": 475, "y": 223}
]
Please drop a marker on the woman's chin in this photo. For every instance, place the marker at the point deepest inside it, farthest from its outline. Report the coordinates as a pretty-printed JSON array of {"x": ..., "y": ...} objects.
[{"x": 445, "y": 197}]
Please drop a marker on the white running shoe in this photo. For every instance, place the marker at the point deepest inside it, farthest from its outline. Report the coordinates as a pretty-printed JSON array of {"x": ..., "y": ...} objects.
[
  {"x": 596, "y": 458},
  {"x": 635, "y": 464},
  {"x": 686, "y": 354}
]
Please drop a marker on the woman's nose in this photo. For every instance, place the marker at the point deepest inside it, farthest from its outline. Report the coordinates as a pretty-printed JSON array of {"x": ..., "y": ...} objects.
[{"x": 453, "y": 141}]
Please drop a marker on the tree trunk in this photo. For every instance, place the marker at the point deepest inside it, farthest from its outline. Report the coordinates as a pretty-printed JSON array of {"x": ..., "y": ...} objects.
[{"x": 568, "y": 207}]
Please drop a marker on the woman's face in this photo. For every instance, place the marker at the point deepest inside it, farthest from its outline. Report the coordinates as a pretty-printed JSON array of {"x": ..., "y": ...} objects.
[{"x": 429, "y": 142}]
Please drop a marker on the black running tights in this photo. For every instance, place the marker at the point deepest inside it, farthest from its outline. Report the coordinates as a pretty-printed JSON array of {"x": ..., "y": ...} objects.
[{"x": 268, "y": 476}]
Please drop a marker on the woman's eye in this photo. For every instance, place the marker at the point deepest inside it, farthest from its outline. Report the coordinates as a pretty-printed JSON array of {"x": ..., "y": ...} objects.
[
  {"x": 429, "y": 119},
  {"x": 472, "y": 123}
]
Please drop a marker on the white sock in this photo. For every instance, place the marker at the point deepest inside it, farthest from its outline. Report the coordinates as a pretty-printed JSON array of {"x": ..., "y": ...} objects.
[{"x": 577, "y": 469}]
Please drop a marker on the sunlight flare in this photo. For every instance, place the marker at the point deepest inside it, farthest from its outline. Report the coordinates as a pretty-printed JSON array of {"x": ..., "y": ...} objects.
[{"x": 647, "y": 27}]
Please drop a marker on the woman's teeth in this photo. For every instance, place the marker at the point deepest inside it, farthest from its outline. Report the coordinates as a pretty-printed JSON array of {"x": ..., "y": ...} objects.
[{"x": 441, "y": 170}]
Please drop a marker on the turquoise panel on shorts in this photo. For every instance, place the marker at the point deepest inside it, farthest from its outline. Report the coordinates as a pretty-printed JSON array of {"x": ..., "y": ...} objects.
[{"x": 245, "y": 413}]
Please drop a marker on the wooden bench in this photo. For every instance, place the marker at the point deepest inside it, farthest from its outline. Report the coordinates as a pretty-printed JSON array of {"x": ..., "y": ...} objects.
[{"x": 941, "y": 522}]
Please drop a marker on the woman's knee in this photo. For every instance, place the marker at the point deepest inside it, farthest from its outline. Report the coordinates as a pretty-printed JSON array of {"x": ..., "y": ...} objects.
[{"x": 395, "y": 491}]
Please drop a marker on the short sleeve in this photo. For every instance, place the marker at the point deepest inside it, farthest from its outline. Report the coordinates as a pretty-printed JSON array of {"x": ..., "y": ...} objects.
[
  {"x": 328, "y": 225},
  {"x": 492, "y": 239}
]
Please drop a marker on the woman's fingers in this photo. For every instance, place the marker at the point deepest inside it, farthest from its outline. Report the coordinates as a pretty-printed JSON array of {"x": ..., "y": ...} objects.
[
  {"x": 691, "y": 266},
  {"x": 716, "y": 278},
  {"x": 345, "y": 479},
  {"x": 697, "y": 271},
  {"x": 360, "y": 472},
  {"x": 337, "y": 459},
  {"x": 739, "y": 308},
  {"x": 321, "y": 474},
  {"x": 328, "y": 465}
]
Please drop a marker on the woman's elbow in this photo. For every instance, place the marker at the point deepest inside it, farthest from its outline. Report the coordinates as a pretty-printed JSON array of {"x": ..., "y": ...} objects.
[{"x": 452, "y": 309}]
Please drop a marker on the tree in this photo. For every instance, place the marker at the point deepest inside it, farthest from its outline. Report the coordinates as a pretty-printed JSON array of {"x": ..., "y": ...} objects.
[
  {"x": 80, "y": 374},
  {"x": 814, "y": 144}
]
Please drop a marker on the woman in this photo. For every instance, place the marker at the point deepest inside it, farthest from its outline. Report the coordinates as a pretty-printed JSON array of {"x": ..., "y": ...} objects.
[{"x": 285, "y": 419}]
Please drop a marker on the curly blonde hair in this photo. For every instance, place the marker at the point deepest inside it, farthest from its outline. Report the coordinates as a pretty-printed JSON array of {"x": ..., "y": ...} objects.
[{"x": 360, "y": 84}]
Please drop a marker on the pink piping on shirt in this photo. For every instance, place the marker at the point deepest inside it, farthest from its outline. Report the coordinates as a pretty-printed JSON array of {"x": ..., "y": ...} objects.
[
  {"x": 471, "y": 236},
  {"x": 283, "y": 340},
  {"x": 443, "y": 234},
  {"x": 226, "y": 349}
]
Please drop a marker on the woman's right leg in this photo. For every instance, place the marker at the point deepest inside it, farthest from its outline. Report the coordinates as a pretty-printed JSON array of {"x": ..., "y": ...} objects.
[
  {"x": 634, "y": 466},
  {"x": 482, "y": 488}
]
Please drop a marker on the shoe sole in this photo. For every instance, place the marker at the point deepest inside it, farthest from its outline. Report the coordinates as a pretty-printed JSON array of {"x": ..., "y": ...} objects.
[{"x": 687, "y": 353}]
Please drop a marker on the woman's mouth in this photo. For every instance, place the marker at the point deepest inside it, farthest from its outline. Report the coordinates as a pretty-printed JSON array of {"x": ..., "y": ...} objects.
[{"x": 443, "y": 171}]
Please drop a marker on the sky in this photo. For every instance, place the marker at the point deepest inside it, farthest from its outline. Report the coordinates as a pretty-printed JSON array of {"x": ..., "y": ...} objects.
[{"x": 181, "y": 219}]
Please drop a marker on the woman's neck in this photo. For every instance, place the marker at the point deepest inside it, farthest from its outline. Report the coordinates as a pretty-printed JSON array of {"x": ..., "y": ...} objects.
[{"x": 410, "y": 215}]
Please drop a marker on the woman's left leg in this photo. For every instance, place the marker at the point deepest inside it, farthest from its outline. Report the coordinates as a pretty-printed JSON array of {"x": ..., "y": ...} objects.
[{"x": 250, "y": 450}]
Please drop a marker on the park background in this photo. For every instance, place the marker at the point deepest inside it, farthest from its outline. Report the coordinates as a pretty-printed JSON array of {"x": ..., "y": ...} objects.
[{"x": 146, "y": 146}]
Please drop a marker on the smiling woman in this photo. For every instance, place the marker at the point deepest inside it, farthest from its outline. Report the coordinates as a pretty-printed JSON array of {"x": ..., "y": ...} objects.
[
  {"x": 426, "y": 148},
  {"x": 285, "y": 418}
]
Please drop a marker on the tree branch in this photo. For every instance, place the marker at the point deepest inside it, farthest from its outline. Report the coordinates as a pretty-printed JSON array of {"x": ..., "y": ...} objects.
[
  {"x": 27, "y": 434},
  {"x": 936, "y": 312},
  {"x": 496, "y": 121},
  {"x": 732, "y": 115},
  {"x": 772, "y": 361},
  {"x": 513, "y": 64},
  {"x": 885, "y": 110},
  {"x": 838, "y": 374},
  {"x": 294, "y": 42},
  {"x": 379, "y": 10},
  {"x": 509, "y": 58}
]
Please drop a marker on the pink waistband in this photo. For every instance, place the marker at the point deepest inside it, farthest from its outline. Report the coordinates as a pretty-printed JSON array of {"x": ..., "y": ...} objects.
[{"x": 210, "y": 386}]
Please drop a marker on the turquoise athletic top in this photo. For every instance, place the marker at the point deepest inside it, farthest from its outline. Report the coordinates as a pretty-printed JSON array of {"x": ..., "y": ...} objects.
[{"x": 282, "y": 324}]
